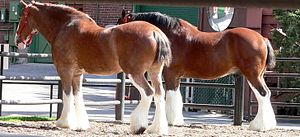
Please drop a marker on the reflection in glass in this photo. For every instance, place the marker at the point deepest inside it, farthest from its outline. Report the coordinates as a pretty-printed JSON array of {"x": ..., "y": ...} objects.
[{"x": 219, "y": 18}]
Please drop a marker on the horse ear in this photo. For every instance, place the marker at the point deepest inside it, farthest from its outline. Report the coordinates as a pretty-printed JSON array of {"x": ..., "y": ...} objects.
[
  {"x": 23, "y": 3},
  {"x": 123, "y": 13}
]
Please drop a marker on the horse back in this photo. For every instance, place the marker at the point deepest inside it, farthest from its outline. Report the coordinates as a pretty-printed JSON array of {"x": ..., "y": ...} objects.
[{"x": 221, "y": 53}]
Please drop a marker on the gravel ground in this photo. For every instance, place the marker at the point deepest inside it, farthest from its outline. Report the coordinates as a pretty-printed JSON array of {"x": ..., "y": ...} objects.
[{"x": 116, "y": 129}]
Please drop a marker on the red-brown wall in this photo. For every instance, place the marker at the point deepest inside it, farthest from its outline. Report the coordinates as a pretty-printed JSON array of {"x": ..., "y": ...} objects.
[
  {"x": 104, "y": 13},
  {"x": 258, "y": 19}
]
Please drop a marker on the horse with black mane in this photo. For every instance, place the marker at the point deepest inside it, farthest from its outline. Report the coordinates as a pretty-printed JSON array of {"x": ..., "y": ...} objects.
[
  {"x": 211, "y": 55},
  {"x": 80, "y": 46}
]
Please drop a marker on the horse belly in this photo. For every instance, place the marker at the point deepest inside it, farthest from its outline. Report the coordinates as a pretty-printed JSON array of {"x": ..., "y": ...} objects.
[
  {"x": 102, "y": 69},
  {"x": 210, "y": 73}
]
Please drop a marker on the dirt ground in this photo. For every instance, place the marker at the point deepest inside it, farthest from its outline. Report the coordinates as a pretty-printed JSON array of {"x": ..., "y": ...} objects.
[{"x": 118, "y": 129}]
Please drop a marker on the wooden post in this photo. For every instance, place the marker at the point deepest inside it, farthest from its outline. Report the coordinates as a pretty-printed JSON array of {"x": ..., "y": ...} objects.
[
  {"x": 238, "y": 100},
  {"x": 120, "y": 94},
  {"x": 59, "y": 96}
]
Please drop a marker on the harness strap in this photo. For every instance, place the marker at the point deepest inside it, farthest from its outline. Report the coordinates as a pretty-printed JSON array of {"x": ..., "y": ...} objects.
[{"x": 23, "y": 25}]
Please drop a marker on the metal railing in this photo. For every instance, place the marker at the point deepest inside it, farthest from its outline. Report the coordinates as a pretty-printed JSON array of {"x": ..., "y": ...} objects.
[{"x": 238, "y": 104}]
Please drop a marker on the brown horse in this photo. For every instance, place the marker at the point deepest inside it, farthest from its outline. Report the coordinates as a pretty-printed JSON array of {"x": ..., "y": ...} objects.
[
  {"x": 80, "y": 46},
  {"x": 211, "y": 55}
]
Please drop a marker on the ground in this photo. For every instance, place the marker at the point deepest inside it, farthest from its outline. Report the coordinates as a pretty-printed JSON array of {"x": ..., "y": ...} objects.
[{"x": 118, "y": 129}]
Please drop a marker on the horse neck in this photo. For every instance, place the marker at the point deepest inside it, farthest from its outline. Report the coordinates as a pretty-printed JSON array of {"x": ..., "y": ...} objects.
[
  {"x": 48, "y": 22},
  {"x": 197, "y": 37}
]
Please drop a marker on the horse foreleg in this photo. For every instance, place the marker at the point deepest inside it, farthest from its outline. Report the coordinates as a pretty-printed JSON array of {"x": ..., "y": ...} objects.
[
  {"x": 159, "y": 124},
  {"x": 67, "y": 118},
  {"x": 265, "y": 117},
  {"x": 139, "y": 116},
  {"x": 81, "y": 114},
  {"x": 174, "y": 107},
  {"x": 174, "y": 102}
]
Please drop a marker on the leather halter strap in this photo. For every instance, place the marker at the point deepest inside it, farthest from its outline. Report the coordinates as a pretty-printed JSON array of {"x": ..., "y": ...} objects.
[{"x": 23, "y": 25}]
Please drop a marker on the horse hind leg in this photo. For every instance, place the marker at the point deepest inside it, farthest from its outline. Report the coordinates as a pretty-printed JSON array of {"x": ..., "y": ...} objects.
[
  {"x": 81, "y": 114},
  {"x": 265, "y": 117},
  {"x": 139, "y": 116},
  {"x": 159, "y": 124}
]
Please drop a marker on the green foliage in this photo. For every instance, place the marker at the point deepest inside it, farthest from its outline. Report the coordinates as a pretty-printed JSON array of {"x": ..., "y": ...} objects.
[
  {"x": 25, "y": 118},
  {"x": 289, "y": 21}
]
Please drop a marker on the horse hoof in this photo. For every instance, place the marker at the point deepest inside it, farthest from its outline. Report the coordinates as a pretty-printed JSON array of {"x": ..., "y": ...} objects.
[
  {"x": 140, "y": 131},
  {"x": 63, "y": 124},
  {"x": 156, "y": 130},
  {"x": 83, "y": 127},
  {"x": 256, "y": 126},
  {"x": 177, "y": 122}
]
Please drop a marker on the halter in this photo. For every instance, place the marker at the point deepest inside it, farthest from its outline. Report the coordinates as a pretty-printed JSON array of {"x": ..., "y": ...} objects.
[
  {"x": 23, "y": 25},
  {"x": 125, "y": 19}
]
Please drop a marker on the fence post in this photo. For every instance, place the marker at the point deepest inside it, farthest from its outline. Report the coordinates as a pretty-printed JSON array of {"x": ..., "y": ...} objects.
[
  {"x": 120, "y": 94},
  {"x": 238, "y": 100},
  {"x": 59, "y": 96},
  {"x": 1, "y": 73},
  {"x": 51, "y": 97}
]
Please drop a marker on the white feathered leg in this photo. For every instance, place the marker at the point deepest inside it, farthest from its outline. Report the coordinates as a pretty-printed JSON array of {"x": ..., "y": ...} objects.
[
  {"x": 159, "y": 124},
  {"x": 265, "y": 117},
  {"x": 139, "y": 116},
  {"x": 67, "y": 118},
  {"x": 174, "y": 107},
  {"x": 81, "y": 114}
]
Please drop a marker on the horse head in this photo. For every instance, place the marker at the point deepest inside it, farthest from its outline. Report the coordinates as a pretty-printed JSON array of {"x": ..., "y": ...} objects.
[
  {"x": 25, "y": 30},
  {"x": 125, "y": 18}
]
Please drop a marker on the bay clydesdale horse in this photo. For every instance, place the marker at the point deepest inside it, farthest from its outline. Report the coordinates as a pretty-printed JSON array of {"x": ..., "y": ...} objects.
[{"x": 211, "y": 55}]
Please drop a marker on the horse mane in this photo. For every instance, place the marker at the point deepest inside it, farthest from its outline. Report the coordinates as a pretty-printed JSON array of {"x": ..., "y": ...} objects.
[
  {"x": 158, "y": 19},
  {"x": 63, "y": 8}
]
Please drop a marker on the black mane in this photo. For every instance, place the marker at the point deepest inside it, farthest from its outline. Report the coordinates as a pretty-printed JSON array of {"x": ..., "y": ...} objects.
[{"x": 158, "y": 19}]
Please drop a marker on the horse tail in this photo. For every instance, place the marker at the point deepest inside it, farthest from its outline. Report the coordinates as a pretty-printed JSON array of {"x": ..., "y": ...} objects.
[
  {"x": 163, "y": 53},
  {"x": 271, "y": 61}
]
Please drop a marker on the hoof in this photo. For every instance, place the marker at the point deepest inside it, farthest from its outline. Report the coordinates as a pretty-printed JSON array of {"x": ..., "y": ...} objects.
[
  {"x": 83, "y": 127},
  {"x": 156, "y": 130},
  {"x": 140, "y": 131},
  {"x": 63, "y": 124}
]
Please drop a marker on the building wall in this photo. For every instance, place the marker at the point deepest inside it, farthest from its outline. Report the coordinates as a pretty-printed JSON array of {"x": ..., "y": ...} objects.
[
  {"x": 103, "y": 13},
  {"x": 258, "y": 19},
  {"x": 4, "y": 26}
]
